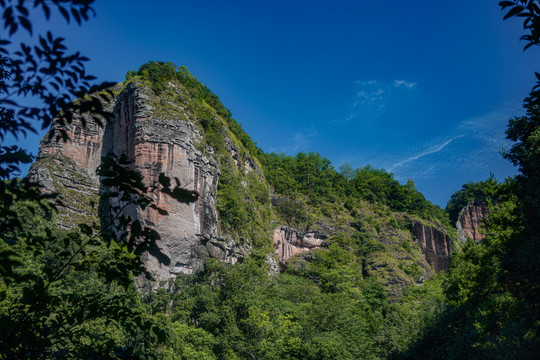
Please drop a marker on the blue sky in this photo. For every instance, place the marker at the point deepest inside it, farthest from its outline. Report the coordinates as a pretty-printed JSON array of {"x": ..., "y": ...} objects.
[{"x": 421, "y": 88}]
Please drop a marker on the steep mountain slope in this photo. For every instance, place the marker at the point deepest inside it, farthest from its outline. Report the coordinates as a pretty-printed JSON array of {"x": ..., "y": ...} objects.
[
  {"x": 165, "y": 121},
  {"x": 175, "y": 132},
  {"x": 389, "y": 231}
]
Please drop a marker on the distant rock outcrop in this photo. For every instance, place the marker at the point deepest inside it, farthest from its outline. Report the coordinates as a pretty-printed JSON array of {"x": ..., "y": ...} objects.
[
  {"x": 289, "y": 242},
  {"x": 470, "y": 220},
  {"x": 436, "y": 245}
]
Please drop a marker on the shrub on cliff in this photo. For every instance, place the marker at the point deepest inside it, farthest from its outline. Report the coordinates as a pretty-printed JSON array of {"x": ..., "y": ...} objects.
[
  {"x": 159, "y": 74},
  {"x": 482, "y": 191}
]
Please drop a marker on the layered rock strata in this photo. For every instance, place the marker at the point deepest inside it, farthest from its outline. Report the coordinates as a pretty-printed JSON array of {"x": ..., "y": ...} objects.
[
  {"x": 470, "y": 220},
  {"x": 435, "y": 244},
  {"x": 289, "y": 242},
  {"x": 169, "y": 145},
  {"x": 68, "y": 168}
]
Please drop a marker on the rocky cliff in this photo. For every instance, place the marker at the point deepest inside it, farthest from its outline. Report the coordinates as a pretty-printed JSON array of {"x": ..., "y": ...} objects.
[
  {"x": 470, "y": 220},
  {"x": 289, "y": 242},
  {"x": 397, "y": 249},
  {"x": 436, "y": 245},
  {"x": 175, "y": 126},
  {"x": 167, "y": 145},
  {"x": 68, "y": 168},
  {"x": 160, "y": 134}
]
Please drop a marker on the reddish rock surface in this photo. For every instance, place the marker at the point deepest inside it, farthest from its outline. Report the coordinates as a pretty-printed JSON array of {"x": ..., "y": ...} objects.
[
  {"x": 289, "y": 242},
  {"x": 156, "y": 144},
  {"x": 167, "y": 146},
  {"x": 68, "y": 168},
  {"x": 470, "y": 221},
  {"x": 436, "y": 245}
]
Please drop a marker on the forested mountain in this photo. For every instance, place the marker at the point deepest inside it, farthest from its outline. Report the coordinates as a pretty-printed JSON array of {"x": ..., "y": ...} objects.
[{"x": 151, "y": 226}]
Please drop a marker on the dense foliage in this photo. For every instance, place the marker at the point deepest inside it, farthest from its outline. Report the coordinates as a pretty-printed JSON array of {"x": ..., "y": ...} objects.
[
  {"x": 314, "y": 177},
  {"x": 492, "y": 289},
  {"x": 243, "y": 312}
]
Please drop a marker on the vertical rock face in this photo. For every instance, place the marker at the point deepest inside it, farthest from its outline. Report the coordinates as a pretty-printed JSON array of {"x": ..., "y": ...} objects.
[
  {"x": 156, "y": 144},
  {"x": 167, "y": 146},
  {"x": 68, "y": 168},
  {"x": 289, "y": 242},
  {"x": 435, "y": 244},
  {"x": 470, "y": 219}
]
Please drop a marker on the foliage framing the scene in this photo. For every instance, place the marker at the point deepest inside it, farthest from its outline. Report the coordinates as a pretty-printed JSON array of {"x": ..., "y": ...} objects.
[
  {"x": 70, "y": 294},
  {"x": 67, "y": 294}
]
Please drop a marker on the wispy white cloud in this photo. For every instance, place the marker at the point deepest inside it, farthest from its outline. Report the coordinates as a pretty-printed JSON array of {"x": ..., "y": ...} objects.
[
  {"x": 429, "y": 151},
  {"x": 365, "y": 83},
  {"x": 373, "y": 97},
  {"x": 369, "y": 97},
  {"x": 468, "y": 151},
  {"x": 404, "y": 83},
  {"x": 478, "y": 150}
]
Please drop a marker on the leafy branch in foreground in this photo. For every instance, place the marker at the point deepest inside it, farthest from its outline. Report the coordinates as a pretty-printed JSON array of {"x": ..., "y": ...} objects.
[
  {"x": 45, "y": 310},
  {"x": 127, "y": 194},
  {"x": 65, "y": 294},
  {"x": 530, "y": 11}
]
